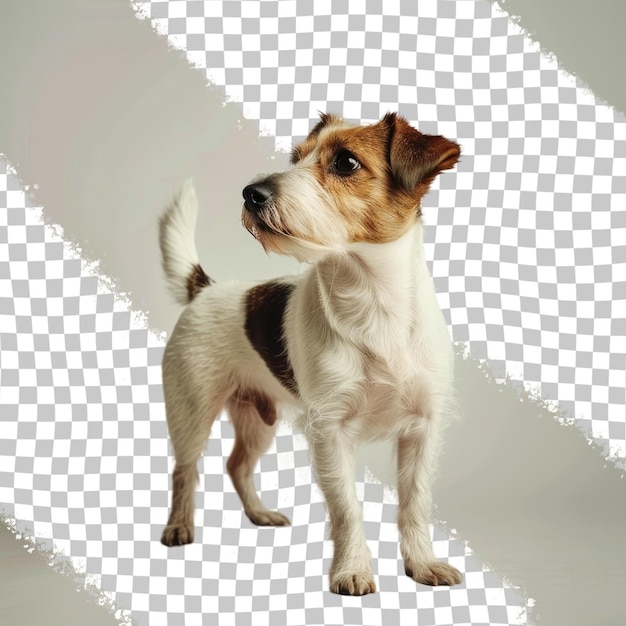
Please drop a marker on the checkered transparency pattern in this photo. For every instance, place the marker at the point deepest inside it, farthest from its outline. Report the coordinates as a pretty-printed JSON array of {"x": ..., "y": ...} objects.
[
  {"x": 528, "y": 237},
  {"x": 84, "y": 463}
]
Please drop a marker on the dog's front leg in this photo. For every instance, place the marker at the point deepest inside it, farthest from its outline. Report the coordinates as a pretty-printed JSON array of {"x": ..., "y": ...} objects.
[
  {"x": 417, "y": 454},
  {"x": 333, "y": 456}
]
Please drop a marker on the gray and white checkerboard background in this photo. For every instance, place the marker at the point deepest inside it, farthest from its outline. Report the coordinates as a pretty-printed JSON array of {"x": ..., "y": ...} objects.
[{"x": 527, "y": 263}]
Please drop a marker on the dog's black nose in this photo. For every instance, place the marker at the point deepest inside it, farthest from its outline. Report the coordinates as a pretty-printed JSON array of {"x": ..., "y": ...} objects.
[{"x": 257, "y": 196}]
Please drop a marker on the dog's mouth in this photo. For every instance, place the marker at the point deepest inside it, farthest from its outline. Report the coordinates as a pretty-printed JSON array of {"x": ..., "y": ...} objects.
[
  {"x": 254, "y": 223},
  {"x": 259, "y": 215},
  {"x": 262, "y": 216},
  {"x": 255, "y": 232}
]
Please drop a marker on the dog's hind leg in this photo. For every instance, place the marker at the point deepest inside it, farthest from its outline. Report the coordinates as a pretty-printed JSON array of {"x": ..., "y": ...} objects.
[
  {"x": 189, "y": 423},
  {"x": 179, "y": 529},
  {"x": 417, "y": 454},
  {"x": 253, "y": 415}
]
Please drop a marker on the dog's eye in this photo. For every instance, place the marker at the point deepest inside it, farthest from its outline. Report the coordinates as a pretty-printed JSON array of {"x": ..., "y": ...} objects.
[{"x": 346, "y": 162}]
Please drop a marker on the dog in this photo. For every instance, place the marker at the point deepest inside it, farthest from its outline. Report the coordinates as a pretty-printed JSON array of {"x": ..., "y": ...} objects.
[{"x": 358, "y": 343}]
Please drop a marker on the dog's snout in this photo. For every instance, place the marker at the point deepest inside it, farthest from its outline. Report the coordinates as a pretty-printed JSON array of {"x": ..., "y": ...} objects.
[{"x": 257, "y": 196}]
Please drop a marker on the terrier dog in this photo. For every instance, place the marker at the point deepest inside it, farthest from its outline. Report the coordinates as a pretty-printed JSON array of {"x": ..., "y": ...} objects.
[{"x": 358, "y": 342}]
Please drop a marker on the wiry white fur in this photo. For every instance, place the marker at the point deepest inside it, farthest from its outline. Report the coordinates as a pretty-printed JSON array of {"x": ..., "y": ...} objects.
[
  {"x": 372, "y": 357},
  {"x": 176, "y": 236},
  {"x": 303, "y": 218},
  {"x": 367, "y": 323}
]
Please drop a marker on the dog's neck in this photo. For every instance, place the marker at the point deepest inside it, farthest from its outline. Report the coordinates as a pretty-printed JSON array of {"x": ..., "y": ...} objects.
[{"x": 370, "y": 294}]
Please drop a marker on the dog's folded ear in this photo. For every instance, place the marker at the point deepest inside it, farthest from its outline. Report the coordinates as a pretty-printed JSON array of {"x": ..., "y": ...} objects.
[{"x": 415, "y": 158}]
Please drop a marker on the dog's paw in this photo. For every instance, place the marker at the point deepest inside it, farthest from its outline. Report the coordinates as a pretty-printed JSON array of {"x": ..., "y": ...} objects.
[
  {"x": 357, "y": 584},
  {"x": 433, "y": 573},
  {"x": 264, "y": 517},
  {"x": 177, "y": 535}
]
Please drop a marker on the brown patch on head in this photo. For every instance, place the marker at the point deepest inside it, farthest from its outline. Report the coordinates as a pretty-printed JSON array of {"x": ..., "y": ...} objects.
[
  {"x": 265, "y": 310},
  {"x": 301, "y": 150},
  {"x": 415, "y": 158},
  {"x": 375, "y": 175},
  {"x": 197, "y": 280}
]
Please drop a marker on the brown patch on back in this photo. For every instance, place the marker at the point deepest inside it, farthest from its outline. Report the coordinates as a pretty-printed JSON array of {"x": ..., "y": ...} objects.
[
  {"x": 265, "y": 311},
  {"x": 197, "y": 280}
]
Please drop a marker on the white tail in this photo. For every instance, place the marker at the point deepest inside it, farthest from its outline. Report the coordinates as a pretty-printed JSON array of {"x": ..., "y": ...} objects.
[{"x": 179, "y": 256}]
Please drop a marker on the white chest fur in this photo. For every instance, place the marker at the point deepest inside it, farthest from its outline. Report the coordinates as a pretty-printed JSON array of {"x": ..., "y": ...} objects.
[{"x": 367, "y": 340}]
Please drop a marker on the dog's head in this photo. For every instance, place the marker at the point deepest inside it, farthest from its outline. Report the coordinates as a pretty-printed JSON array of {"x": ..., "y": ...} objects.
[{"x": 346, "y": 185}]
